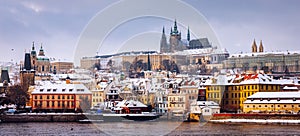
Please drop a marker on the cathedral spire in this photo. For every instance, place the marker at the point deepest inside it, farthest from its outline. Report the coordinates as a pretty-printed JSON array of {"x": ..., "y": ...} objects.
[
  {"x": 188, "y": 37},
  {"x": 254, "y": 46},
  {"x": 175, "y": 27},
  {"x": 261, "y": 47},
  {"x": 163, "y": 42}
]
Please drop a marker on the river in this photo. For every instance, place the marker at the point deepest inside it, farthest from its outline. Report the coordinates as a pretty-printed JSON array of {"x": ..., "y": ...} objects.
[{"x": 145, "y": 128}]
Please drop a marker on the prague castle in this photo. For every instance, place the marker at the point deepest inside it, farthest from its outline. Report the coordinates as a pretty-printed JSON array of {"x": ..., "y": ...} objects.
[{"x": 176, "y": 43}]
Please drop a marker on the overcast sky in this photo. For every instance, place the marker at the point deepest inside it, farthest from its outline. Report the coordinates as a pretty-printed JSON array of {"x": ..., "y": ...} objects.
[{"x": 59, "y": 24}]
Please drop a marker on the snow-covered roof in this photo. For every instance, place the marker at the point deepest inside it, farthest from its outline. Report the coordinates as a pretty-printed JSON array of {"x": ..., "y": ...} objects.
[
  {"x": 61, "y": 60},
  {"x": 60, "y": 88},
  {"x": 255, "y": 54},
  {"x": 207, "y": 103},
  {"x": 247, "y": 79},
  {"x": 194, "y": 51},
  {"x": 130, "y": 104},
  {"x": 71, "y": 76},
  {"x": 290, "y": 88},
  {"x": 275, "y": 95},
  {"x": 291, "y": 101}
]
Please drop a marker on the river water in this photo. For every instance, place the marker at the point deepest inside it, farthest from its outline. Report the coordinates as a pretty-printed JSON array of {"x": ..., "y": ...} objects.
[{"x": 145, "y": 128}]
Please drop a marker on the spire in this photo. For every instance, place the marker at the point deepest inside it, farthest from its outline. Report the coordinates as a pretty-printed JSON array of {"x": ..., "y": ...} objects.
[
  {"x": 254, "y": 46},
  {"x": 32, "y": 46},
  {"x": 175, "y": 27},
  {"x": 188, "y": 34},
  {"x": 41, "y": 53},
  {"x": 163, "y": 42},
  {"x": 41, "y": 47},
  {"x": 171, "y": 30},
  {"x": 261, "y": 47}
]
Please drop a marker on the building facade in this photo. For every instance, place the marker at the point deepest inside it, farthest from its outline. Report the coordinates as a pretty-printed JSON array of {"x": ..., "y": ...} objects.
[
  {"x": 273, "y": 102},
  {"x": 51, "y": 97}
]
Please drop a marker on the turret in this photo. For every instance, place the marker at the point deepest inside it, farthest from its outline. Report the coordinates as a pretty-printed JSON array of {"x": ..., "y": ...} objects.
[{"x": 41, "y": 52}]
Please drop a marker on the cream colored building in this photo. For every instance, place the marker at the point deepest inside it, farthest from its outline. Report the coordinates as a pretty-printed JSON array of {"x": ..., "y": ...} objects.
[
  {"x": 178, "y": 104},
  {"x": 61, "y": 67},
  {"x": 275, "y": 102}
]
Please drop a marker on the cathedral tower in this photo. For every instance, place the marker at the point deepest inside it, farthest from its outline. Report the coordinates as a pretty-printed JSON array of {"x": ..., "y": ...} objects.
[
  {"x": 254, "y": 46},
  {"x": 164, "y": 47},
  {"x": 175, "y": 38},
  {"x": 261, "y": 47}
]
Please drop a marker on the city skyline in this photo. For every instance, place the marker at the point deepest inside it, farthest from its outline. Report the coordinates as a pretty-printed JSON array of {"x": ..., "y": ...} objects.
[{"x": 273, "y": 22}]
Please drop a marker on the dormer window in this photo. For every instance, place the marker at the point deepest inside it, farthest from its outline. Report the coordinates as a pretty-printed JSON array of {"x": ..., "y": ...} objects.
[
  {"x": 54, "y": 90},
  {"x": 63, "y": 89},
  {"x": 70, "y": 90},
  {"x": 278, "y": 99},
  {"x": 41, "y": 90},
  {"x": 294, "y": 99},
  {"x": 48, "y": 90}
]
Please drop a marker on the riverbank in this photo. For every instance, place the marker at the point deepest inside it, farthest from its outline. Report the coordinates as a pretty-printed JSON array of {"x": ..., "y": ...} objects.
[
  {"x": 258, "y": 121},
  {"x": 256, "y": 118},
  {"x": 42, "y": 117}
]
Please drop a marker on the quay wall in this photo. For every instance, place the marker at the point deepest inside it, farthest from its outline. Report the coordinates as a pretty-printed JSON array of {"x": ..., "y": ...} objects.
[
  {"x": 221, "y": 116},
  {"x": 42, "y": 118}
]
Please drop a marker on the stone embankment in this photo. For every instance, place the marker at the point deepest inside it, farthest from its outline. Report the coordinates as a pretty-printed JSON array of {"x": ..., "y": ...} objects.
[
  {"x": 222, "y": 116},
  {"x": 42, "y": 117}
]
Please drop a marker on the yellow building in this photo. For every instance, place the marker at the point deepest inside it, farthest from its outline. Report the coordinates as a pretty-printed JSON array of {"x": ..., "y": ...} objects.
[
  {"x": 147, "y": 99},
  {"x": 98, "y": 95},
  {"x": 274, "y": 102},
  {"x": 232, "y": 93},
  {"x": 60, "y": 97}
]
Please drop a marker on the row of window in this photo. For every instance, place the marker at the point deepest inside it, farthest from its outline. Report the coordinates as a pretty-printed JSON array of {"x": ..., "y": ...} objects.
[
  {"x": 213, "y": 95},
  {"x": 97, "y": 100},
  {"x": 176, "y": 105},
  {"x": 180, "y": 99},
  {"x": 54, "y": 97},
  {"x": 54, "y": 104},
  {"x": 163, "y": 105},
  {"x": 273, "y": 106},
  {"x": 188, "y": 91},
  {"x": 233, "y": 102},
  {"x": 96, "y": 94},
  {"x": 254, "y": 87},
  {"x": 63, "y": 90},
  {"x": 238, "y": 95}
]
